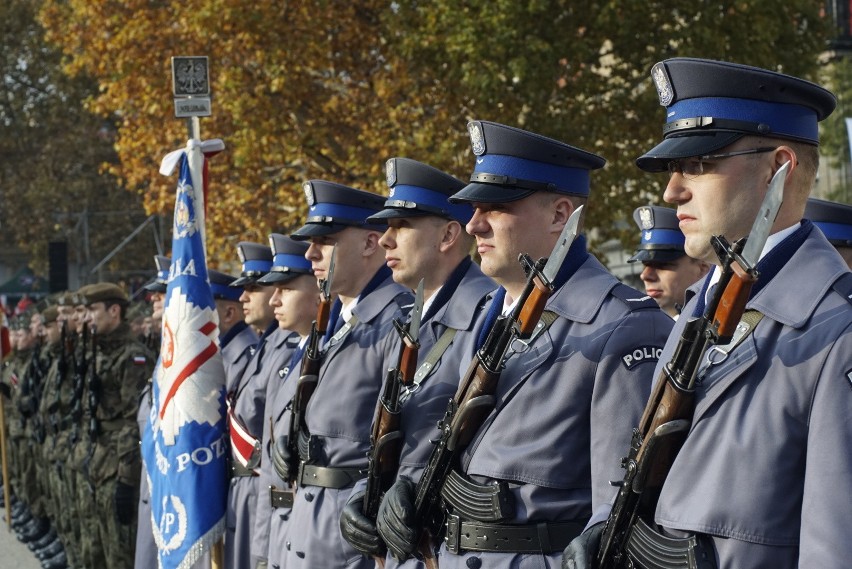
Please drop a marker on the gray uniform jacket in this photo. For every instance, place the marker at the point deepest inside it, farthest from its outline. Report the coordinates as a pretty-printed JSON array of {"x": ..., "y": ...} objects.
[
  {"x": 338, "y": 417},
  {"x": 566, "y": 404},
  {"x": 766, "y": 467},
  {"x": 237, "y": 350},
  {"x": 427, "y": 403},
  {"x": 279, "y": 392},
  {"x": 273, "y": 522},
  {"x": 146, "y": 547},
  {"x": 249, "y": 408}
]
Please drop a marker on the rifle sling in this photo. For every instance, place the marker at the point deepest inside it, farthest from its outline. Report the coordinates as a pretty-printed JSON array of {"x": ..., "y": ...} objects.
[{"x": 428, "y": 364}]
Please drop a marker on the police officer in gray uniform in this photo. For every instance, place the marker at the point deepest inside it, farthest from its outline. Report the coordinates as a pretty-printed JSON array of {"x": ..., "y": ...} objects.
[
  {"x": 425, "y": 240},
  {"x": 291, "y": 277},
  {"x": 237, "y": 339},
  {"x": 668, "y": 270},
  {"x": 762, "y": 478},
  {"x": 334, "y": 443},
  {"x": 835, "y": 221},
  {"x": 146, "y": 548},
  {"x": 567, "y": 396},
  {"x": 247, "y": 401}
]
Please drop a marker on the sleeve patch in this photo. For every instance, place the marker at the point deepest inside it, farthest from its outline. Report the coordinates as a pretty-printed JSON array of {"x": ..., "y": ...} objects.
[{"x": 641, "y": 355}]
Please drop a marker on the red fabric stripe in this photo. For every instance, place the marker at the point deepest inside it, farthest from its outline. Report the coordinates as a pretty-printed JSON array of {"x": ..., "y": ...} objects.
[{"x": 190, "y": 369}]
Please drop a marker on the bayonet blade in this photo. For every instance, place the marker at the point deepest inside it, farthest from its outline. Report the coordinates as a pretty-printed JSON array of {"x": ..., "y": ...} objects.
[
  {"x": 765, "y": 217},
  {"x": 325, "y": 285},
  {"x": 416, "y": 314},
  {"x": 560, "y": 250}
]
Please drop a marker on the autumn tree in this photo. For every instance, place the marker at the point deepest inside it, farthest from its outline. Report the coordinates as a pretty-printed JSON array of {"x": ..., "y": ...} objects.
[
  {"x": 52, "y": 151},
  {"x": 332, "y": 88}
]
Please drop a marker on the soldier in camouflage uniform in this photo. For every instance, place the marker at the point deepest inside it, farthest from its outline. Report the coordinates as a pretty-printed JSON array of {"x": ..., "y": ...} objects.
[
  {"x": 50, "y": 548},
  {"x": 62, "y": 376},
  {"x": 116, "y": 375},
  {"x": 27, "y": 375}
]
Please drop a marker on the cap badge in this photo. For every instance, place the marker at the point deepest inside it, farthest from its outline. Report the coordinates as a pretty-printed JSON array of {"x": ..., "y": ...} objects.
[
  {"x": 663, "y": 84},
  {"x": 390, "y": 173},
  {"x": 646, "y": 216},
  {"x": 309, "y": 194},
  {"x": 477, "y": 138}
]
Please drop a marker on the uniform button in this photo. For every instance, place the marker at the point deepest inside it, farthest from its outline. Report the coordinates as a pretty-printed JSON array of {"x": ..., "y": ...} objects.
[
  {"x": 474, "y": 562},
  {"x": 300, "y": 554},
  {"x": 309, "y": 497},
  {"x": 287, "y": 545}
]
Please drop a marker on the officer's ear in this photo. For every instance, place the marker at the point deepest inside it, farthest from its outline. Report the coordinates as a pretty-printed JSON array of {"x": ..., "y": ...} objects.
[
  {"x": 452, "y": 232},
  {"x": 371, "y": 243}
]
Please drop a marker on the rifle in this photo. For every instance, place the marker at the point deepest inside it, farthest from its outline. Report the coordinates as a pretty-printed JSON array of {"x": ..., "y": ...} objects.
[
  {"x": 386, "y": 438},
  {"x": 668, "y": 414},
  {"x": 94, "y": 392},
  {"x": 311, "y": 362},
  {"x": 475, "y": 397},
  {"x": 80, "y": 368}
]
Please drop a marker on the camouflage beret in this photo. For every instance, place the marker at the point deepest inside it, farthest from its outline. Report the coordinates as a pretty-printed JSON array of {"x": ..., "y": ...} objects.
[
  {"x": 50, "y": 314},
  {"x": 103, "y": 292}
]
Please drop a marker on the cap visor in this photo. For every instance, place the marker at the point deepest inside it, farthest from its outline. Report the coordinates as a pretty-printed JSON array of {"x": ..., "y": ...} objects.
[
  {"x": 243, "y": 281},
  {"x": 274, "y": 277},
  {"x": 675, "y": 147},
  {"x": 155, "y": 287},
  {"x": 395, "y": 213},
  {"x": 489, "y": 193},
  {"x": 316, "y": 230},
  {"x": 656, "y": 256}
]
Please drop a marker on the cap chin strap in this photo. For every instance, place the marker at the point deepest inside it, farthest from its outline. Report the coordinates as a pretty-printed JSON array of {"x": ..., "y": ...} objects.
[
  {"x": 501, "y": 180},
  {"x": 761, "y": 129}
]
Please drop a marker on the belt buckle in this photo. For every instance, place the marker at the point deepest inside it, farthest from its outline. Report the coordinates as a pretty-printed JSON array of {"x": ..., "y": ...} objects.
[{"x": 453, "y": 534}]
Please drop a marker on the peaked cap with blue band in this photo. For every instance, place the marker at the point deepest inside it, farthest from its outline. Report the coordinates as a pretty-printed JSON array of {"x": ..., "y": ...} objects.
[
  {"x": 161, "y": 281},
  {"x": 833, "y": 219},
  {"x": 334, "y": 207},
  {"x": 288, "y": 260},
  {"x": 712, "y": 104},
  {"x": 662, "y": 240},
  {"x": 512, "y": 164},
  {"x": 256, "y": 260},
  {"x": 220, "y": 286},
  {"x": 417, "y": 189}
]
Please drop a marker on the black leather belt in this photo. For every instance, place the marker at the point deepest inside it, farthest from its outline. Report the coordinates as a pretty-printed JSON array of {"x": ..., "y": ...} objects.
[
  {"x": 280, "y": 498},
  {"x": 238, "y": 470},
  {"x": 649, "y": 549},
  {"x": 327, "y": 477},
  {"x": 545, "y": 537}
]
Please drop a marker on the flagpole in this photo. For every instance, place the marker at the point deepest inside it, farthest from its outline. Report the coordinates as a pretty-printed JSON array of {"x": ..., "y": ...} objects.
[{"x": 195, "y": 157}]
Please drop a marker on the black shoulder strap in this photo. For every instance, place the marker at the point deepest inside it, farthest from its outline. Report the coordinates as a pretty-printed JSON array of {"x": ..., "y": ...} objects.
[
  {"x": 843, "y": 286},
  {"x": 629, "y": 297}
]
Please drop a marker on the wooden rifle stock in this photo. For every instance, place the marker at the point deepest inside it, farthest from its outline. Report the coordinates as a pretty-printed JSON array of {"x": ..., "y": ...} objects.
[
  {"x": 386, "y": 438},
  {"x": 308, "y": 378},
  {"x": 668, "y": 414}
]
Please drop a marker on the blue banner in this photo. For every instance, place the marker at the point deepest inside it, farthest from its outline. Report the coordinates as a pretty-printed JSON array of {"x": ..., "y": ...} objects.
[{"x": 184, "y": 444}]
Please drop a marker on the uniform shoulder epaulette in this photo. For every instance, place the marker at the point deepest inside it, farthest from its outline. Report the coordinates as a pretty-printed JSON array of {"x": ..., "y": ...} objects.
[
  {"x": 633, "y": 298},
  {"x": 843, "y": 286}
]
